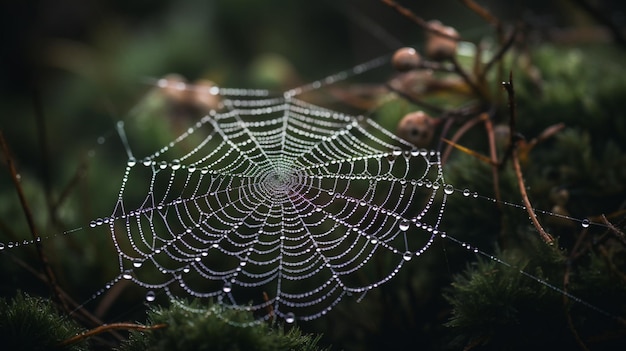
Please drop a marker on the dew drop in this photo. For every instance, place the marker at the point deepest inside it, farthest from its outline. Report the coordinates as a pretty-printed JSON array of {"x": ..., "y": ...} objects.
[
  {"x": 404, "y": 225},
  {"x": 137, "y": 264},
  {"x": 466, "y": 192},
  {"x": 186, "y": 270},
  {"x": 407, "y": 256},
  {"x": 191, "y": 169},
  {"x": 290, "y": 318},
  {"x": 150, "y": 296},
  {"x": 175, "y": 165},
  {"x": 227, "y": 287},
  {"x": 127, "y": 276},
  {"x": 92, "y": 224},
  {"x": 131, "y": 162},
  {"x": 147, "y": 162},
  {"x": 163, "y": 165},
  {"x": 585, "y": 223},
  {"x": 448, "y": 189},
  {"x": 436, "y": 185},
  {"x": 1, "y": 246}
]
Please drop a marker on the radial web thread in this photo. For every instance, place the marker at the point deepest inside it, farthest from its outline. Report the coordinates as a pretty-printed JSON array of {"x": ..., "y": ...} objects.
[{"x": 277, "y": 206}]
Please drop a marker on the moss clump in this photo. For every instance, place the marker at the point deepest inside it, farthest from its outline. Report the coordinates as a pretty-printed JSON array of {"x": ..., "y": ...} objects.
[
  {"x": 30, "y": 323},
  {"x": 217, "y": 329}
]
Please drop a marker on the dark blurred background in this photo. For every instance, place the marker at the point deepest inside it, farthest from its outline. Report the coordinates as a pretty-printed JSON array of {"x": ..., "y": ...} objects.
[{"x": 71, "y": 68}]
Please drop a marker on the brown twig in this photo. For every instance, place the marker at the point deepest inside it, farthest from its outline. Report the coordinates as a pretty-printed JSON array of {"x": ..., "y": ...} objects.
[
  {"x": 414, "y": 99},
  {"x": 31, "y": 224},
  {"x": 510, "y": 89},
  {"x": 107, "y": 328},
  {"x": 501, "y": 51},
  {"x": 270, "y": 308},
  {"x": 482, "y": 12},
  {"x": 86, "y": 316},
  {"x": 601, "y": 17},
  {"x": 457, "y": 135},
  {"x": 468, "y": 151},
  {"x": 494, "y": 157},
  {"x": 458, "y": 69},
  {"x": 417, "y": 20}
]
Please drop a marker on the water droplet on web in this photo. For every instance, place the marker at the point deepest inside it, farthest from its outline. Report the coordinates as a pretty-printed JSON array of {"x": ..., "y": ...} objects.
[
  {"x": 227, "y": 287},
  {"x": 407, "y": 256},
  {"x": 147, "y": 162},
  {"x": 191, "y": 169},
  {"x": 466, "y": 192},
  {"x": 137, "y": 264},
  {"x": 163, "y": 165},
  {"x": 131, "y": 162},
  {"x": 1, "y": 246},
  {"x": 404, "y": 225},
  {"x": 436, "y": 185},
  {"x": 175, "y": 165},
  {"x": 127, "y": 276},
  {"x": 585, "y": 223},
  {"x": 150, "y": 296},
  {"x": 448, "y": 189},
  {"x": 290, "y": 318}
]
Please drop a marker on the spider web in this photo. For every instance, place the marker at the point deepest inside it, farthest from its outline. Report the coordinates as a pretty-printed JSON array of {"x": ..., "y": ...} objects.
[{"x": 275, "y": 205}]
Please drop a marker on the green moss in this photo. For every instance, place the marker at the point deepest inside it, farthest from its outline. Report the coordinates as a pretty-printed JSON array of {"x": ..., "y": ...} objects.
[
  {"x": 217, "y": 329},
  {"x": 29, "y": 323}
]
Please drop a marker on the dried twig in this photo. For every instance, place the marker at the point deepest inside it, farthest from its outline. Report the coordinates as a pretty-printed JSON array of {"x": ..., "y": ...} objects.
[
  {"x": 31, "y": 224},
  {"x": 108, "y": 328},
  {"x": 417, "y": 20},
  {"x": 482, "y": 12},
  {"x": 516, "y": 164}
]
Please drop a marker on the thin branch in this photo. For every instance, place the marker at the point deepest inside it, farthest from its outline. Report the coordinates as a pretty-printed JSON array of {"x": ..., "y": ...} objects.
[
  {"x": 108, "y": 328},
  {"x": 452, "y": 143},
  {"x": 468, "y": 151},
  {"x": 482, "y": 12},
  {"x": 458, "y": 69},
  {"x": 602, "y": 18},
  {"x": 414, "y": 99},
  {"x": 418, "y": 20},
  {"x": 503, "y": 49},
  {"x": 31, "y": 223},
  {"x": 516, "y": 164},
  {"x": 494, "y": 157}
]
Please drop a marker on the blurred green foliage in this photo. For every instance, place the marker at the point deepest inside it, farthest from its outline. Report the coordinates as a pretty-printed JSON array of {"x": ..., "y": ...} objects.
[
  {"x": 218, "y": 329},
  {"x": 84, "y": 64},
  {"x": 32, "y": 323}
]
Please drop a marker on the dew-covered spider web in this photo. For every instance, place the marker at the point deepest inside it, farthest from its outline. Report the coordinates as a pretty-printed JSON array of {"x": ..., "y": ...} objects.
[{"x": 278, "y": 206}]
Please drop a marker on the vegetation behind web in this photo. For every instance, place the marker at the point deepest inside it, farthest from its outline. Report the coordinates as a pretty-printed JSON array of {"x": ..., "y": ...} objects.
[{"x": 82, "y": 65}]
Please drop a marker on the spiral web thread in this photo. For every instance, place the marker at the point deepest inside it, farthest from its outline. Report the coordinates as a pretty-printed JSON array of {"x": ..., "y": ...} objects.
[{"x": 277, "y": 206}]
